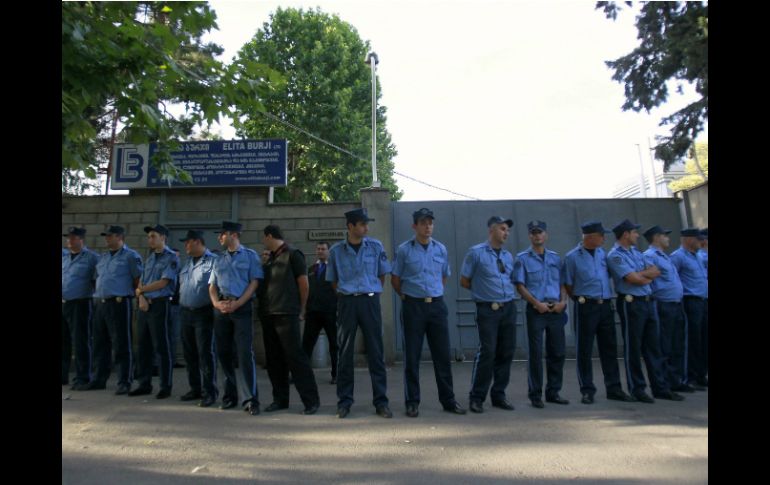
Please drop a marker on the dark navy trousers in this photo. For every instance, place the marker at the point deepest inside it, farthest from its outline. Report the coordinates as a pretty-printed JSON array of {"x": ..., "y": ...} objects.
[
  {"x": 153, "y": 335},
  {"x": 672, "y": 341},
  {"x": 314, "y": 322},
  {"x": 552, "y": 324},
  {"x": 199, "y": 349},
  {"x": 421, "y": 319},
  {"x": 641, "y": 339},
  {"x": 76, "y": 332},
  {"x": 497, "y": 342},
  {"x": 595, "y": 320},
  {"x": 233, "y": 334},
  {"x": 353, "y": 312},
  {"x": 112, "y": 331},
  {"x": 695, "y": 311}
]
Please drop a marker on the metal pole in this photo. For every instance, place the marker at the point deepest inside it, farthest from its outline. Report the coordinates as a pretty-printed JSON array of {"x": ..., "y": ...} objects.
[
  {"x": 652, "y": 167},
  {"x": 641, "y": 173},
  {"x": 375, "y": 181}
]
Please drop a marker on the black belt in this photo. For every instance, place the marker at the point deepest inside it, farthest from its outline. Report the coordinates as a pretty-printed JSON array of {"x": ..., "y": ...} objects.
[
  {"x": 632, "y": 298},
  {"x": 494, "y": 304},
  {"x": 429, "y": 299},
  {"x": 75, "y": 299},
  {"x": 198, "y": 309},
  {"x": 585, "y": 299},
  {"x": 693, "y": 297},
  {"x": 116, "y": 299},
  {"x": 227, "y": 298},
  {"x": 157, "y": 300}
]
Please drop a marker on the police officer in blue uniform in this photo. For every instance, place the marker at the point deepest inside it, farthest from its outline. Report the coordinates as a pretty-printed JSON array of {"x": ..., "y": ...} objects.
[
  {"x": 196, "y": 316},
  {"x": 537, "y": 275},
  {"x": 420, "y": 270},
  {"x": 667, "y": 293},
  {"x": 632, "y": 277},
  {"x": 153, "y": 326},
  {"x": 117, "y": 276},
  {"x": 488, "y": 272},
  {"x": 232, "y": 286},
  {"x": 78, "y": 271},
  {"x": 703, "y": 256},
  {"x": 695, "y": 288},
  {"x": 587, "y": 281},
  {"x": 357, "y": 269}
]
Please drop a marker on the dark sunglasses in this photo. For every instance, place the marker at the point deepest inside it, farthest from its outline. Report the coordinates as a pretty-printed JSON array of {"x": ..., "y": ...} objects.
[{"x": 500, "y": 265}]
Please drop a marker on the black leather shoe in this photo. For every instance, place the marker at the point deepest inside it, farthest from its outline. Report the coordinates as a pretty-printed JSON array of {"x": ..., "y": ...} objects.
[
  {"x": 65, "y": 382},
  {"x": 455, "y": 408},
  {"x": 178, "y": 365},
  {"x": 587, "y": 398},
  {"x": 643, "y": 397},
  {"x": 190, "y": 396},
  {"x": 619, "y": 395},
  {"x": 537, "y": 403},
  {"x": 703, "y": 382},
  {"x": 206, "y": 402},
  {"x": 80, "y": 386},
  {"x": 312, "y": 409},
  {"x": 683, "y": 388},
  {"x": 556, "y": 399},
  {"x": 122, "y": 390},
  {"x": 698, "y": 387},
  {"x": 333, "y": 381},
  {"x": 163, "y": 394},
  {"x": 384, "y": 411},
  {"x": 275, "y": 406},
  {"x": 342, "y": 411},
  {"x": 476, "y": 407},
  {"x": 227, "y": 403},
  {"x": 669, "y": 396},
  {"x": 411, "y": 410},
  {"x": 252, "y": 408},
  {"x": 140, "y": 391},
  {"x": 94, "y": 386},
  {"x": 503, "y": 404}
]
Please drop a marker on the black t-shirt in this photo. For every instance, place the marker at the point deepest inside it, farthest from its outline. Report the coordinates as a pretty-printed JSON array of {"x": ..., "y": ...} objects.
[{"x": 281, "y": 273}]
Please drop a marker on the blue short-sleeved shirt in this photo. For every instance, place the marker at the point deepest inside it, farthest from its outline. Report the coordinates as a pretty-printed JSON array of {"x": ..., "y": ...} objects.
[
  {"x": 621, "y": 262},
  {"x": 115, "y": 274},
  {"x": 233, "y": 273},
  {"x": 703, "y": 257},
  {"x": 587, "y": 274},
  {"x": 691, "y": 272},
  {"x": 667, "y": 286},
  {"x": 358, "y": 272},
  {"x": 541, "y": 276},
  {"x": 162, "y": 265},
  {"x": 194, "y": 281},
  {"x": 78, "y": 274},
  {"x": 421, "y": 270},
  {"x": 487, "y": 282}
]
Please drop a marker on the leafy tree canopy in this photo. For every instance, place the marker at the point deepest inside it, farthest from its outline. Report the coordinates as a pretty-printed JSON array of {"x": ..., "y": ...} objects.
[
  {"x": 327, "y": 94},
  {"x": 127, "y": 62},
  {"x": 694, "y": 176},
  {"x": 673, "y": 46}
]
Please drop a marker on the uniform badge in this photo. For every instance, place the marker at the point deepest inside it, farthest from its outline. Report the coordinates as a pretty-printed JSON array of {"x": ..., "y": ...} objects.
[
  {"x": 383, "y": 256},
  {"x": 617, "y": 259},
  {"x": 173, "y": 264}
]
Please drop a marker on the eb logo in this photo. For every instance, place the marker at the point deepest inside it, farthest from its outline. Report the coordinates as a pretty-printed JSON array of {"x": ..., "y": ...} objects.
[{"x": 128, "y": 166}]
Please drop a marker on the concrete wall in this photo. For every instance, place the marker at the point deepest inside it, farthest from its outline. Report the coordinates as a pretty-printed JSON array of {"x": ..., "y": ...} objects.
[{"x": 695, "y": 206}]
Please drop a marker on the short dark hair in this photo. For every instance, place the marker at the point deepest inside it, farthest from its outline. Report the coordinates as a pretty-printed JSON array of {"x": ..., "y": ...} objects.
[
  {"x": 323, "y": 242},
  {"x": 273, "y": 230}
]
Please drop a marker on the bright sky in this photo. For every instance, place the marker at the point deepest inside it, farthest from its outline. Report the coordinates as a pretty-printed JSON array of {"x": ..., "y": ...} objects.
[{"x": 492, "y": 99}]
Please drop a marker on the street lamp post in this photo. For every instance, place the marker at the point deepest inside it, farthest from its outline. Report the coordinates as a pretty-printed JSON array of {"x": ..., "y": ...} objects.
[
  {"x": 375, "y": 180},
  {"x": 641, "y": 173}
]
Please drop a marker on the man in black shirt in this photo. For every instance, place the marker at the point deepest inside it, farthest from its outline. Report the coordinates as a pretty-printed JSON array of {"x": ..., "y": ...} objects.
[
  {"x": 321, "y": 308},
  {"x": 286, "y": 292}
]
